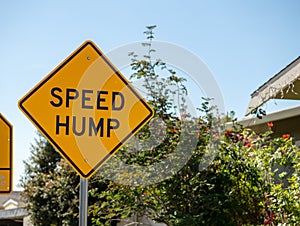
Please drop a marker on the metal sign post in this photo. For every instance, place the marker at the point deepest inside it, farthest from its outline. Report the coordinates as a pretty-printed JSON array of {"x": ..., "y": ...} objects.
[{"x": 83, "y": 202}]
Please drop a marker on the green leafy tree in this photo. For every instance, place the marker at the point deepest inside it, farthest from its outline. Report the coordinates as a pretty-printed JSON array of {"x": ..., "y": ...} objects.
[
  {"x": 50, "y": 187},
  {"x": 162, "y": 87},
  {"x": 215, "y": 196},
  {"x": 237, "y": 188}
]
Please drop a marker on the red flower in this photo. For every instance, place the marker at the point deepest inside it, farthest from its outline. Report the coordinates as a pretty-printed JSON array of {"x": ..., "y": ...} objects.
[
  {"x": 286, "y": 136},
  {"x": 174, "y": 131},
  {"x": 248, "y": 144},
  {"x": 228, "y": 132},
  {"x": 269, "y": 218},
  {"x": 270, "y": 124}
]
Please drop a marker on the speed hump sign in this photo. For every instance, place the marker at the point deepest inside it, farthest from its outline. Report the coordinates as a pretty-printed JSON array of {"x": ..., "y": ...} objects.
[
  {"x": 86, "y": 109},
  {"x": 5, "y": 156}
]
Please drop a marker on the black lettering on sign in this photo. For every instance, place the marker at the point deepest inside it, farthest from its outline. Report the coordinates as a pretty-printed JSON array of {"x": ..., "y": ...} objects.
[
  {"x": 83, "y": 125},
  {"x": 79, "y": 126},
  {"x": 100, "y": 99},
  {"x": 54, "y": 92},
  {"x": 117, "y": 101},
  {"x": 92, "y": 127},
  {"x": 112, "y": 124},
  {"x": 71, "y": 94},
  {"x": 86, "y": 98},
  {"x": 61, "y": 124}
]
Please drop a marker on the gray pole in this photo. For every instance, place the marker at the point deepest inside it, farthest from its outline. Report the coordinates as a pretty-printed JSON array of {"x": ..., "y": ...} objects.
[{"x": 83, "y": 202}]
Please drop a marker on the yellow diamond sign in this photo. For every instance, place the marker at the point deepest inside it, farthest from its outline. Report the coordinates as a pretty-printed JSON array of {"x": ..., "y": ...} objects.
[
  {"x": 5, "y": 156},
  {"x": 86, "y": 108}
]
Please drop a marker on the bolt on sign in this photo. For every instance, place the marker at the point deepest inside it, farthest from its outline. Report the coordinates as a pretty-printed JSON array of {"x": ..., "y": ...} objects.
[
  {"x": 5, "y": 156},
  {"x": 86, "y": 109}
]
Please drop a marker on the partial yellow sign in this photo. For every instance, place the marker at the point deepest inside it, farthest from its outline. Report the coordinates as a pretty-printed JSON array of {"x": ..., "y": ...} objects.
[
  {"x": 86, "y": 108},
  {"x": 6, "y": 162}
]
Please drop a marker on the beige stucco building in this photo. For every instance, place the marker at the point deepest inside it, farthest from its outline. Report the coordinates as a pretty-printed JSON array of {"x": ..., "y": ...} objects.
[{"x": 285, "y": 85}]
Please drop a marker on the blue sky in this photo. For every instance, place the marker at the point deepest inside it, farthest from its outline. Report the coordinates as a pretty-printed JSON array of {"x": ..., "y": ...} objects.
[{"x": 243, "y": 43}]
